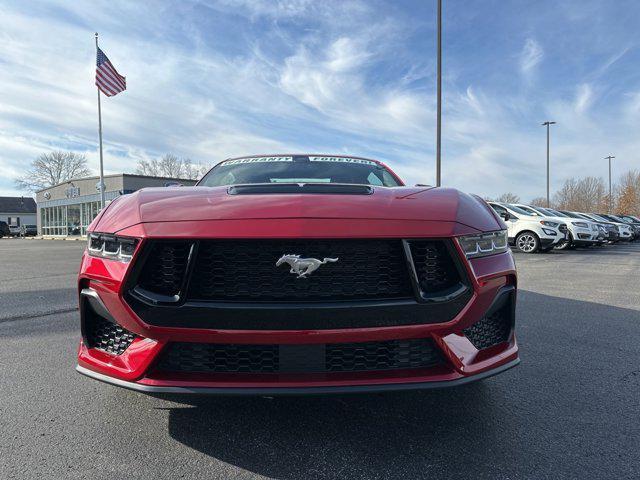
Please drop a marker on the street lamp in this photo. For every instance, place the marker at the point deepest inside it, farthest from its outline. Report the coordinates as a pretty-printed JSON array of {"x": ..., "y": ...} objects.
[
  {"x": 439, "y": 97},
  {"x": 547, "y": 124},
  {"x": 610, "y": 197}
]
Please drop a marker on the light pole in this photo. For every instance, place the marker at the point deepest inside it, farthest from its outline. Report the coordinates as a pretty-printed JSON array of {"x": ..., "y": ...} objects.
[
  {"x": 439, "y": 96},
  {"x": 610, "y": 197},
  {"x": 547, "y": 124}
]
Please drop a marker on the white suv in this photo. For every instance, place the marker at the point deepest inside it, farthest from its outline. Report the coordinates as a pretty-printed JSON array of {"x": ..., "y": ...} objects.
[
  {"x": 530, "y": 233},
  {"x": 582, "y": 233}
]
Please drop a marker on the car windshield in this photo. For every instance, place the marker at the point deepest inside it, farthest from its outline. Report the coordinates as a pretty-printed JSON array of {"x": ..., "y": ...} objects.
[
  {"x": 556, "y": 213},
  {"x": 529, "y": 210},
  {"x": 299, "y": 169},
  {"x": 599, "y": 218},
  {"x": 519, "y": 210},
  {"x": 538, "y": 211}
]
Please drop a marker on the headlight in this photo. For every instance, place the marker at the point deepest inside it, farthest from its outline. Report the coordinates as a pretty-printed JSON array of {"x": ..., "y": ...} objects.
[
  {"x": 482, "y": 245},
  {"x": 551, "y": 233},
  {"x": 549, "y": 224},
  {"x": 111, "y": 247},
  {"x": 580, "y": 224}
]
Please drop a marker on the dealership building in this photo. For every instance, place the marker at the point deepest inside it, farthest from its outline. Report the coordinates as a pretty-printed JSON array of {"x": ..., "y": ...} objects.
[{"x": 68, "y": 208}]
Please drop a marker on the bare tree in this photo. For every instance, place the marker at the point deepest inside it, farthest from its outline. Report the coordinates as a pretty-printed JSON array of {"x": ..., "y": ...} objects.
[
  {"x": 53, "y": 168},
  {"x": 170, "y": 165},
  {"x": 582, "y": 195},
  {"x": 539, "y": 202},
  {"x": 508, "y": 198}
]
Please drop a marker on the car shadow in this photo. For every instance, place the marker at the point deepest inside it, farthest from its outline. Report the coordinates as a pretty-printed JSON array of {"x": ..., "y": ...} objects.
[
  {"x": 371, "y": 436},
  {"x": 524, "y": 422}
]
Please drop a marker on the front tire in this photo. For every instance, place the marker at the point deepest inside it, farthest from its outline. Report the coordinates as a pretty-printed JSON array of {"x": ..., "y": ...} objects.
[{"x": 528, "y": 242}]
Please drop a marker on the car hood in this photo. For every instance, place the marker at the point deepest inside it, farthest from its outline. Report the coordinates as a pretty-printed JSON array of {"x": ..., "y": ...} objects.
[{"x": 216, "y": 203}]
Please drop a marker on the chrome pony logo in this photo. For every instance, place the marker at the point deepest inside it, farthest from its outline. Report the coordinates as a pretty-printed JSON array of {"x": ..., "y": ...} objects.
[{"x": 303, "y": 267}]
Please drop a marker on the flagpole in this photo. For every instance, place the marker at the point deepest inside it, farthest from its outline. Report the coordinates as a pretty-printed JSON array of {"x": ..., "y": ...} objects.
[{"x": 100, "y": 136}]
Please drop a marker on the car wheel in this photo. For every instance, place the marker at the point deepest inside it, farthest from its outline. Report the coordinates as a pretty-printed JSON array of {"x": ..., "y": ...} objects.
[{"x": 527, "y": 242}]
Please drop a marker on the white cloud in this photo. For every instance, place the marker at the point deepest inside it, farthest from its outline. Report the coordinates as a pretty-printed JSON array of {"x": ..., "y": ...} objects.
[
  {"x": 584, "y": 98},
  {"x": 530, "y": 56}
]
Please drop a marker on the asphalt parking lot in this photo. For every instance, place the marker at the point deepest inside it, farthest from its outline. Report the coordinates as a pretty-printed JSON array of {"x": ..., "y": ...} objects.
[{"x": 570, "y": 410}]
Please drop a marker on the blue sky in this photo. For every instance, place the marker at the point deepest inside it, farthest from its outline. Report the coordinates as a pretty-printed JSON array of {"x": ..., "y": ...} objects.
[{"x": 214, "y": 79}]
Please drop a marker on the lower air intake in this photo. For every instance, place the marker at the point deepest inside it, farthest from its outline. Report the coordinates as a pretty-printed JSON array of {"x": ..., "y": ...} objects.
[
  {"x": 494, "y": 328},
  {"x": 339, "y": 357},
  {"x": 107, "y": 336}
]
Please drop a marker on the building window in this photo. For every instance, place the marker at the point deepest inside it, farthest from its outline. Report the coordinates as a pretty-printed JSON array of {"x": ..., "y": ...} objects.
[{"x": 68, "y": 219}]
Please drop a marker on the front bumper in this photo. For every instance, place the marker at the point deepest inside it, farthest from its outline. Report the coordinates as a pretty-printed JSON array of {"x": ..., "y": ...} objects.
[
  {"x": 136, "y": 367},
  {"x": 309, "y": 390}
]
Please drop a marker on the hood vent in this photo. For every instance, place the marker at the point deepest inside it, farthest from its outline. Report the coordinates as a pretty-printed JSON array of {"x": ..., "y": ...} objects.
[{"x": 300, "y": 188}]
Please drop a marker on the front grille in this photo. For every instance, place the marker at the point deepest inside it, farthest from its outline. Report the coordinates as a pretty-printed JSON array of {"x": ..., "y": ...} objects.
[
  {"x": 493, "y": 329},
  {"x": 339, "y": 357},
  {"x": 245, "y": 270},
  {"x": 165, "y": 267},
  {"x": 435, "y": 268},
  {"x": 563, "y": 228},
  {"x": 107, "y": 336}
]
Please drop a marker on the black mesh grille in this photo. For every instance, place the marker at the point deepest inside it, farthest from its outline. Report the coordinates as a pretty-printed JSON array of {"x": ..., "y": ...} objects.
[
  {"x": 242, "y": 270},
  {"x": 493, "y": 329},
  {"x": 108, "y": 336},
  {"x": 207, "y": 357},
  {"x": 342, "y": 357},
  {"x": 434, "y": 266},
  {"x": 390, "y": 355},
  {"x": 165, "y": 267}
]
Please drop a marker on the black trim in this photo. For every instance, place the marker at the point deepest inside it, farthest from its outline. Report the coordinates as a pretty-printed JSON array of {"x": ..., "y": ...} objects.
[
  {"x": 272, "y": 391},
  {"x": 300, "y": 188},
  {"x": 303, "y": 316}
]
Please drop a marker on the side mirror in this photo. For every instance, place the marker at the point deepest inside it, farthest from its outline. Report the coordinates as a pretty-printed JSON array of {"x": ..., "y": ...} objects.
[{"x": 505, "y": 216}]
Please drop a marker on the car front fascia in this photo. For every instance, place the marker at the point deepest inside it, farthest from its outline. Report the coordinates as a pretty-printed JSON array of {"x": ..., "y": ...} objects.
[{"x": 488, "y": 275}]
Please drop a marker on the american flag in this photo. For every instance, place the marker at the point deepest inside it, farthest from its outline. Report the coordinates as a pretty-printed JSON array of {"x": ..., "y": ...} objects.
[{"x": 108, "y": 80}]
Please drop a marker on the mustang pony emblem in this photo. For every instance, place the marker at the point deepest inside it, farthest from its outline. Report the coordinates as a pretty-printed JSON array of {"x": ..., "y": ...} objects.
[{"x": 303, "y": 266}]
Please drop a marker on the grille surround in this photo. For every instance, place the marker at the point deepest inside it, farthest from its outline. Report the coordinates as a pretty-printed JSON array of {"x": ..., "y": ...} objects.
[{"x": 308, "y": 358}]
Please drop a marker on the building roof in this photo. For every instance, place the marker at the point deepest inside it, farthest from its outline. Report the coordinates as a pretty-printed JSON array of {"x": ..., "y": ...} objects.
[
  {"x": 17, "y": 205},
  {"x": 96, "y": 177}
]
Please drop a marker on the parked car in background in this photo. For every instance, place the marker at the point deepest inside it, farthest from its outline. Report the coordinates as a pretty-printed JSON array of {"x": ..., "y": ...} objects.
[
  {"x": 530, "y": 233},
  {"x": 634, "y": 222},
  {"x": 14, "y": 230},
  {"x": 622, "y": 225},
  {"x": 624, "y": 229},
  {"x": 613, "y": 233},
  {"x": 4, "y": 229},
  {"x": 30, "y": 230},
  {"x": 601, "y": 231},
  {"x": 581, "y": 233}
]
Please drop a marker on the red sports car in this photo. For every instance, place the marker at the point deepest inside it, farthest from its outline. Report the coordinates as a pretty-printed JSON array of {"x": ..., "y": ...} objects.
[{"x": 296, "y": 274}]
